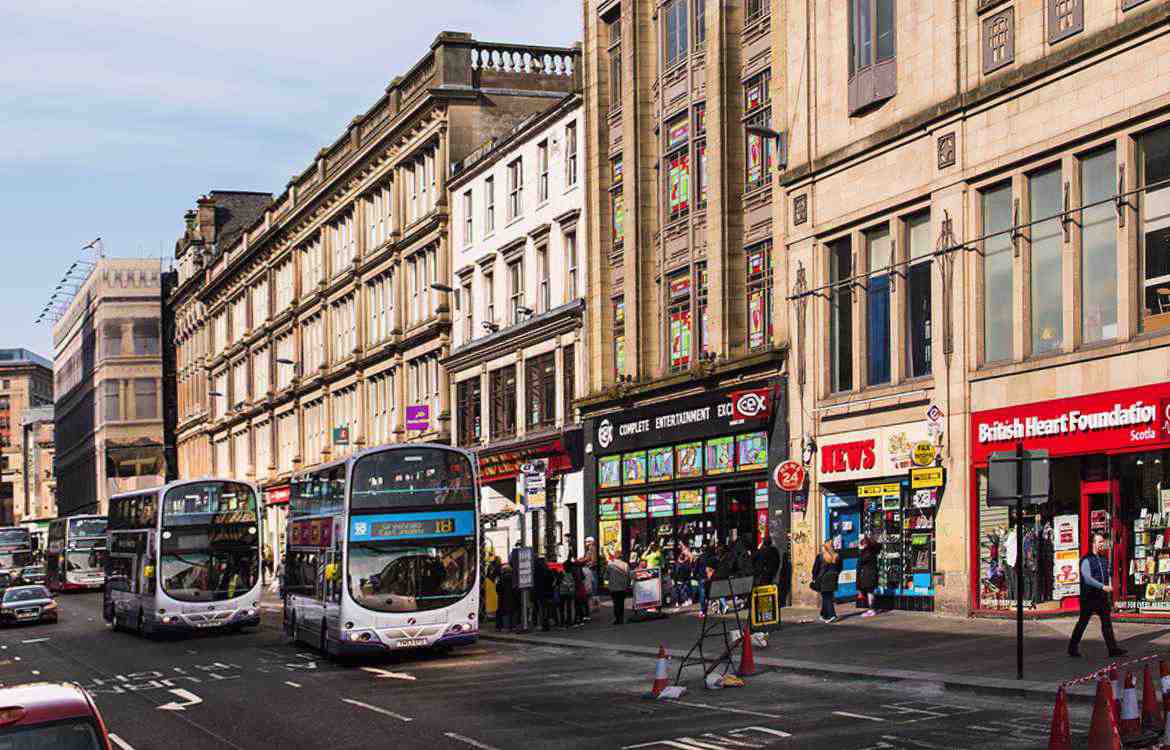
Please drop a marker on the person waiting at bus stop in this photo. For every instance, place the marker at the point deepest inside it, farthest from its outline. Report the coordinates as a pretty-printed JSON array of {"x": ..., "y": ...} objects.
[{"x": 1095, "y": 598}]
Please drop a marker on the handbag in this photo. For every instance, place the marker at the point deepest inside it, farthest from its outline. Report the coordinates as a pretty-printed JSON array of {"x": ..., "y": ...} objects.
[{"x": 828, "y": 579}]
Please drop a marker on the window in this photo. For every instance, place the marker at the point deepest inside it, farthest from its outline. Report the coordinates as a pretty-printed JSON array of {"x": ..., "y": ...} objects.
[
  {"x": 701, "y": 284},
  {"x": 540, "y": 382},
  {"x": 284, "y": 285},
  {"x": 757, "y": 107},
  {"x": 378, "y": 295},
  {"x": 260, "y": 367},
  {"x": 146, "y": 337},
  {"x": 378, "y": 216},
  {"x": 571, "y": 261},
  {"x": 468, "y": 411},
  {"x": 263, "y": 448},
  {"x": 1098, "y": 226},
  {"x": 755, "y": 9},
  {"x": 872, "y": 75},
  {"x": 515, "y": 290},
  {"x": 239, "y": 317},
  {"x": 841, "y": 314},
  {"x": 1155, "y": 232},
  {"x": 515, "y": 188},
  {"x": 260, "y": 303},
  {"x": 700, "y": 128},
  {"x": 468, "y": 312},
  {"x": 677, "y": 167},
  {"x": 700, "y": 24},
  {"x": 489, "y": 296},
  {"x": 344, "y": 329},
  {"x": 570, "y": 154},
  {"x": 569, "y": 376},
  {"x": 111, "y": 401},
  {"x": 676, "y": 32},
  {"x": 759, "y": 295},
  {"x": 468, "y": 228},
  {"x": 379, "y": 396},
  {"x": 240, "y": 383},
  {"x": 284, "y": 350},
  {"x": 489, "y": 205},
  {"x": 312, "y": 266},
  {"x": 918, "y": 297},
  {"x": 1046, "y": 246},
  {"x": 619, "y": 336},
  {"x": 544, "y": 285},
  {"x": 344, "y": 244},
  {"x": 542, "y": 167},
  {"x": 879, "y": 251},
  {"x": 997, "y": 274},
  {"x": 503, "y": 394},
  {"x": 615, "y": 61},
  {"x": 999, "y": 40},
  {"x": 679, "y": 320},
  {"x": 618, "y": 217}
]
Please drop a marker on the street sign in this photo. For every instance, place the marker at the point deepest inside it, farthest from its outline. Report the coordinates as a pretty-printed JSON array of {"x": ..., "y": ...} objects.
[
  {"x": 934, "y": 414},
  {"x": 789, "y": 476},
  {"x": 418, "y": 417},
  {"x": 535, "y": 480},
  {"x": 524, "y": 568},
  {"x": 924, "y": 453},
  {"x": 765, "y": 607},
  {"x": 1009, "y": 482},
  {"x": 924, "y": 478}
]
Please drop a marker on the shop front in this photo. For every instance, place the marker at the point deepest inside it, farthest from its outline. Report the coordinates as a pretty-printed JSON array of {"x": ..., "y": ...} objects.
[
  {"x": 276, "y": 520},
  {"x": 865, "y": 481},
  {"x": 686, "y": 474},
  {"x": 1109, "y": 454}
]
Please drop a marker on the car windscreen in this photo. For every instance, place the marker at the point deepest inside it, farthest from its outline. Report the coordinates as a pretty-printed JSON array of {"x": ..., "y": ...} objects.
[
  {"x": 26, "y": 594},
  {"x": 411, "y": 477},
  {"x": 71, "y": 734}
]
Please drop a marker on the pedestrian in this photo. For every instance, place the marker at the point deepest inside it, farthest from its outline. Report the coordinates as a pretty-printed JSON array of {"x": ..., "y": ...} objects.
[
  {"x": 580, "y": 596},
  {"x": 505, "y": 599},
  {"x": 618, "y": 574},
  {"x": 681, "y": 574},
  {"x": 826, "y": 569},
  {"x": 1095, "y": 598},
  {"x": 867, "y": 572},
  {"x": 567, "y": 588},
  {"x": 766, "y": 562}
]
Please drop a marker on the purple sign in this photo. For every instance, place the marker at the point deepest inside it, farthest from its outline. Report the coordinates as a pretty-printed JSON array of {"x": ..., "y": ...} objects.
[{"x": 418, "y": 417}]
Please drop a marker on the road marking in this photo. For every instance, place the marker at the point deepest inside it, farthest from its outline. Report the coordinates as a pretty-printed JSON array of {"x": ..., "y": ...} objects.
[
  {"x": 729, "y": 710},
  {"x": 469, "y": 741},
  {"x": 36, "y": 671},
  {"x": 190, "y": 700},
  {"x": 293, "y": 684},
  {"x": 848, "y": 715},
  {"x": 390, "y": 675},
  {"x": 376, "y": 709},
  {"x": 36, "y": 640},
  {"x": 918, "y": 743},
  {"x": 120, "y": 742}
]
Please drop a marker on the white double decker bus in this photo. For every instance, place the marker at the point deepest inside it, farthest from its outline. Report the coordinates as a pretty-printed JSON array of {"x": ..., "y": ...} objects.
[
  {"x": 75, "y": 553},
  {"x": 382, "y": 551},
  {"x": 184, "y": 556}
]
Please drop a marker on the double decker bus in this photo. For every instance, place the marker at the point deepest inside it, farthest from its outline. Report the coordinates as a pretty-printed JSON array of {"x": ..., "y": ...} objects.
[
  {"x": 184, "y": 556},
  {"x": 382, "y": 551},
  {"x": 75, "y": 553},
  {"x": 16, "y": 549}
]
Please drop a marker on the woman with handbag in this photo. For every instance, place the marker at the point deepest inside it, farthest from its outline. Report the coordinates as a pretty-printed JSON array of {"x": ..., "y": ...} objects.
[
  {"x": 826, "y": 569},
  {"x": 867, "y": 572}
]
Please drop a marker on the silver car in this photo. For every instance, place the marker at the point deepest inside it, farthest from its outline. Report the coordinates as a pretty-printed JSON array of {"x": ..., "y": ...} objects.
[{"x": 30, "y": 604}]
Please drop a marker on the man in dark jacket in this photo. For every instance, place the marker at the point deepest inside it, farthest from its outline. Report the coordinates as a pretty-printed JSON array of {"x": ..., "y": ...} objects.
[
  {"x": 1095, "y": 599},
  {"x": 766, "y": 562}
]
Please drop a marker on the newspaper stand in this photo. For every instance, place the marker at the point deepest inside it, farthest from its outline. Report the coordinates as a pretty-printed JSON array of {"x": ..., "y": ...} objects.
[{"x": 717, "y": 628}]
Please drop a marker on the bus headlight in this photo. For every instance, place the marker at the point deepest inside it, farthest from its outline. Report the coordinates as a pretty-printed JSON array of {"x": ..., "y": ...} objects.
[{"x": 362, "y": 636}]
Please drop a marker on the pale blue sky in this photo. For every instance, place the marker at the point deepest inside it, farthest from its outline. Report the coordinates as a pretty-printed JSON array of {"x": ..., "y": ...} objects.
[{"x": 117, "y": 115}]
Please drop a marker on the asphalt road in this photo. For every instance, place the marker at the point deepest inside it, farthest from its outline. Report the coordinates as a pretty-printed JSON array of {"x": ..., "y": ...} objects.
[{"x": 251, "y": 690}]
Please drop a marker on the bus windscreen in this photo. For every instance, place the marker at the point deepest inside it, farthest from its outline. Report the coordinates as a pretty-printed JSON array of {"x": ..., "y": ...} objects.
[
  {"x": 87, "y": 527},
  {"x": 209, "y": 502},
  {"x": 411, "y": 477}
]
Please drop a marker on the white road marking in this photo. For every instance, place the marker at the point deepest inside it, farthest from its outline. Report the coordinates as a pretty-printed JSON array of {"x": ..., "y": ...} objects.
[
  {"x": 848, "y": 715},
  {"x": 729, "y": 709},
  {"x": 36, "y": 671},
  {"x": 469, "y": 741},
  {"x": 35, "y": 640},
  {"x": 390, "y": 675},
  {"x": 120, "y": 742},
  {"x": 293, "y": 684},
  {"x": 918, "y": 743},
  {"x": 376, "y": 709},
  {"x": 190, "y": 700}
]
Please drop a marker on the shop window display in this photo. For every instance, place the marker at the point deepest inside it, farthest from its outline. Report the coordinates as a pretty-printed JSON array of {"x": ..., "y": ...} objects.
[
  {"x": 720, "y": 455},
  {"x": 661, "y": 464},
  {"x": 689, "y": 460},
  {"x": 634, "y": 468},
  {"x": 901, "y": 519},
  {"x": 752, "y": 451},
  {"x": 609, "y": 471}
]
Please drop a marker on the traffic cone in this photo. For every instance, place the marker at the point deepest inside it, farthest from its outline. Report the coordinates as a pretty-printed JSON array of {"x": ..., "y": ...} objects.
[
  {"x": 1131, "y": 717},
  {"x": 1061, "y": 736},
  {"x": 1115, "y": 684},
  {"x": 1164, "y": 671},
  {"x": 747, "y": 661},
  {"x": 1152, "y": 719},
  {"x": 660, "y": 678},
  {"x": 1103, "y": 733}
]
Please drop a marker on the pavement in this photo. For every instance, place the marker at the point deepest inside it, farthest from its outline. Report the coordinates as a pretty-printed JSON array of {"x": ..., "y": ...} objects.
[
  {"x": 957, "y": 653},
  {"x": 253, "y": 690}
]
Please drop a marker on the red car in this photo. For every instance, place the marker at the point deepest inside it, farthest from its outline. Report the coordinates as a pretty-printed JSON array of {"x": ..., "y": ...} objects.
[{"x": 50, "y": 716}]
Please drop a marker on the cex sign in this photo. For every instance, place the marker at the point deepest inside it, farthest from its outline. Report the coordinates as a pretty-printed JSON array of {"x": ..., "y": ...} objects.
[{"x": 869, "y": 454}]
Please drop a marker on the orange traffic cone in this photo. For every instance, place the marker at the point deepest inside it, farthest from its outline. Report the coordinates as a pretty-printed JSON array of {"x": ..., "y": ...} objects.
[
  {"x": 1131, "y": 718},
  {"x": 747, "y": 661},
  {"x": 1164, "y": 671},
  {"x": 1061, "y": 736},
  {"x": 1103, "y": 730},
  {"x": 660, "y": 678},
  {"x": 1115, "y": 684},
  {"x": 1152, "y": 719}
]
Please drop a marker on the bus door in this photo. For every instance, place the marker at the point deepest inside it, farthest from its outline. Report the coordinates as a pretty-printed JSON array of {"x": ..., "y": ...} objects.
[{"x": 334, "y": 580}]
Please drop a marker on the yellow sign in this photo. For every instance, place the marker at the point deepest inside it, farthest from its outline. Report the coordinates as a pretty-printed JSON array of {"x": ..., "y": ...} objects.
[
  {"x": 925, "y": 478},
  {"x": 924, "y": 453},
  {"x": 765, "y": 606},
  {"x": 878, "y": 490}
]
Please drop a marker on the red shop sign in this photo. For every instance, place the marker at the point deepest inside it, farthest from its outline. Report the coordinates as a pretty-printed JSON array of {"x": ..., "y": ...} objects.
[
  {"x": 276, "y": 495},
  {"x": 1117, "y": 420}
]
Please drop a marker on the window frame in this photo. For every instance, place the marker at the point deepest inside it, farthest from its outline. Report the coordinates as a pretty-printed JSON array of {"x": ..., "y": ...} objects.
[
  {"x": 468, "y": 219},
  {"x": 515, "y": 290},
  {"x": 515, "y": 188},
  {"x": 760, "y": 282},
  {"x": 570, "y": 154},
  {"x": 675, "y": 40},
  {"x": 871, "y": 80},
  {"x": 542, "y": 181},
  {"x": 489, "y": 208}
]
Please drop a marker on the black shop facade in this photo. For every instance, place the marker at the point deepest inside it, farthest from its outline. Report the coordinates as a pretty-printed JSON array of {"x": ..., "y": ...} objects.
[{"x": 688, "y": 472}]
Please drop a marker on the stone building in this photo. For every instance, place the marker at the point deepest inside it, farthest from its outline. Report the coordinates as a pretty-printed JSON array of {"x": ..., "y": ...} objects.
[
  {"x": 38, "y": 483},
  {"x": 683, "y": 101},
  {"x": 107, "y": 368},
  {"x": 977, "y": 256},
  {"x": 309, "y": 334},
  {"x": 517, "y": 345},
  {"x": 26, "y": 382}
]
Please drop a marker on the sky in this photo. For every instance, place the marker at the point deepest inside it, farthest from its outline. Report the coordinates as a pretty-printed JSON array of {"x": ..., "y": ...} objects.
[{"x": 117, "y": 115}]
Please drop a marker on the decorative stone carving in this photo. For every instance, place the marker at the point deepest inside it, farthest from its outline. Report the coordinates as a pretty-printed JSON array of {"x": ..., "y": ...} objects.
[
  {"x": 800, "y": 209},
  {"x": 946, "y": 150}
]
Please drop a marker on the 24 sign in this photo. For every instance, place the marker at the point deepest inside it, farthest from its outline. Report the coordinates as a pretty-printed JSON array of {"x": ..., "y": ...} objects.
[{"x": 789, "y": 476}]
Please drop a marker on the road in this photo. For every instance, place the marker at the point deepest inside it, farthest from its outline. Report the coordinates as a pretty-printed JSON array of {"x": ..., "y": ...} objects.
[{"x": 252, "y": 690}]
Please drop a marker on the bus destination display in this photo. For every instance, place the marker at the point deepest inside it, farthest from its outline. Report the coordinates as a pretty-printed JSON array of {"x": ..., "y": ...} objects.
[{"x": 412, "y": 526}]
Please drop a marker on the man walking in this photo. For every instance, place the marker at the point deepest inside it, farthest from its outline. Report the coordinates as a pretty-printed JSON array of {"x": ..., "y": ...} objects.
[
  {"x": 1095, "y": 599},
  {"x": 618, "y": 573}
]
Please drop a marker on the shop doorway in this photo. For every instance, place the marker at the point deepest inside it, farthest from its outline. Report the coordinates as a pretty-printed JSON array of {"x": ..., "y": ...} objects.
[
  {"x": 1099, "y": 499},
  {"x": 737, "y": 518},
  {"x": 843, "y": 529}
]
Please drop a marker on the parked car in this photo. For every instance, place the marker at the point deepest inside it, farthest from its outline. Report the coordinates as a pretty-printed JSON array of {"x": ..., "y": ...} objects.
[
  {"x": 30, "y": 575},
  {"x": 51, "y": 716},
  {"x": 22, "y": 604}
]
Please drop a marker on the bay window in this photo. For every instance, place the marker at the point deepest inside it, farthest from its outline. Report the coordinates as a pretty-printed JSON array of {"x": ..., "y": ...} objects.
[
  {"x": 998, "y": 273},
  {"x": 676, "y": 32},
  {"x": 1098, "y": 228},
  {"x": 872, "y": 72},
  {"x": 1154, "y": 148},
  {"x": 1046, "y": 246}
]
